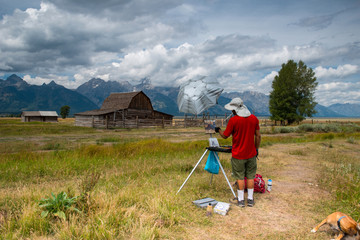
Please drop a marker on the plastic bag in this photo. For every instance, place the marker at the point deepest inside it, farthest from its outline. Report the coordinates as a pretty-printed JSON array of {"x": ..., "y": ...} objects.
[{"x": 212, "y": 165}]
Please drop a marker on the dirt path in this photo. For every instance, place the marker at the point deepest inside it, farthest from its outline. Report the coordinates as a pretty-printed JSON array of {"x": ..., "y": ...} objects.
[{"x": 285, "y": 213}]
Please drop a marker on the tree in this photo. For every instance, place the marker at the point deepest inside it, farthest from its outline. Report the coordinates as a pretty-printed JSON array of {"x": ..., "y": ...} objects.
[
  {"x": 64, "y": 111},
  {"x": 292, "y": 98}
]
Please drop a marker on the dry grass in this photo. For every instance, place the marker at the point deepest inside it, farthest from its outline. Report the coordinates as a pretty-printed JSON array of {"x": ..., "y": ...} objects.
[{"x": 140, "y": 173}]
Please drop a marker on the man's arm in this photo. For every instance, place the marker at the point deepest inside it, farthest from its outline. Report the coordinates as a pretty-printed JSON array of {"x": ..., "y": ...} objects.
[
  {"x": 221, "y": 133},
  {"x": 257, "y": 139}
]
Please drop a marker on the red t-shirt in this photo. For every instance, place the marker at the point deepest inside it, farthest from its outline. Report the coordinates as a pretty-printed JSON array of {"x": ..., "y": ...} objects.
[{"x": 243, "y": 136}]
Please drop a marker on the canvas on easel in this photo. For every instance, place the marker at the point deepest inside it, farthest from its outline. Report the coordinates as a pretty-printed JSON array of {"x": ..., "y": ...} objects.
[
  {"x": 209, "y": 126},
  {"x": 213, "y": 142}
]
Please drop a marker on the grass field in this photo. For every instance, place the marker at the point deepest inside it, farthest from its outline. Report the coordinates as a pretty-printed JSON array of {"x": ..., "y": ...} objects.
[{"x": 124, "y": 182}]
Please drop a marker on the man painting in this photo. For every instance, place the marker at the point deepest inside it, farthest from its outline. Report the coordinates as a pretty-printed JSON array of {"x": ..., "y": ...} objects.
[{"x": 246, "y": 138}]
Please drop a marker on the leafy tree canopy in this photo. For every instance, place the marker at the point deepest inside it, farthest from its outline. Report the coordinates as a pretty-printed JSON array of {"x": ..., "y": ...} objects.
[
  {"x": 64, "y": 111},
  {"x": 292, "y": 96}
]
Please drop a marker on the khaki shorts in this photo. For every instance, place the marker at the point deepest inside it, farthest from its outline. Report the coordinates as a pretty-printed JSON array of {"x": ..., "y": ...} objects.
[{"x": 244, "y": 168}]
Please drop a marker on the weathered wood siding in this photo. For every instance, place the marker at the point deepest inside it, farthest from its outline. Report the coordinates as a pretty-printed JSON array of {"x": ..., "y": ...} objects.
[
  {"x": 133, "y": 113},
  {"x": 142, "y": 102},
  {"x": 127, "y": 123},
  {"x": 38, "y": 119},
  {"x": 87, "y": 121},
  {"x": 162, "y": 115},
  {"x": 128, "y": 118}
]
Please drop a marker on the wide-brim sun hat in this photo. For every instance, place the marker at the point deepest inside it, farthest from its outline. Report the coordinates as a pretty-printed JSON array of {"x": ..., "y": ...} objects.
[{"x": 237, "y": 104}]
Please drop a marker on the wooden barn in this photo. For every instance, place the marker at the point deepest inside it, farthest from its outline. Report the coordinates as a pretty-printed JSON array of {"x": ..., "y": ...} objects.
[
  {"x": 124, "y": 110},
  {"x": 39, "y": 116}
]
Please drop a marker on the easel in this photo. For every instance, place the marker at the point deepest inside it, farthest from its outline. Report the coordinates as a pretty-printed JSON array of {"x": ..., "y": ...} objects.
[{"x": 214, "y": 148}]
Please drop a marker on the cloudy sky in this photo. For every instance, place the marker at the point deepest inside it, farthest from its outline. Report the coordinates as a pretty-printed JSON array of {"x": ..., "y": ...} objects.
[{"x": 240, "y": 43}]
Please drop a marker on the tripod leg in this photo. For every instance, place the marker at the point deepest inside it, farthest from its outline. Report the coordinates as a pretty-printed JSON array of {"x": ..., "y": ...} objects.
[
  {"x": 222, "y": 169},
  {"x": 192, "y": 171}
]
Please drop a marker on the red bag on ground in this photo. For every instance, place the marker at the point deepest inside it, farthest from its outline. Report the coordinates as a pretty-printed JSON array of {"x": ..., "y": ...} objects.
[{"x": 259, "y": 184}]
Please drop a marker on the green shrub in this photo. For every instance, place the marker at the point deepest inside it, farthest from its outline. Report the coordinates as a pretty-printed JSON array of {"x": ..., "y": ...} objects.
[
  {"x": 350, "y": 128},
  {"x": 284, "y": 130},
  {"x": 306, "y": 128},
  {"x": 319, "y": 128},
  {"x": 57, "y": 206},
  {"x": 331, "y": 128}
]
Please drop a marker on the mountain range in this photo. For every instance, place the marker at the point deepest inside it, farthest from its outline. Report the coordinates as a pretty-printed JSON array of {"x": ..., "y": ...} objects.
[{"x": 16, "y": 95}]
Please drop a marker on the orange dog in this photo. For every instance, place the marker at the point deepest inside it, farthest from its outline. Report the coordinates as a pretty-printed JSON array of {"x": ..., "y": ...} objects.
[{"x": 343, "y": 223}]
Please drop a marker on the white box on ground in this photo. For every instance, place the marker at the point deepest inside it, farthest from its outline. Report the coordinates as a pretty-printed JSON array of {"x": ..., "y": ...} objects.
[{"x": 222, "y": 208}]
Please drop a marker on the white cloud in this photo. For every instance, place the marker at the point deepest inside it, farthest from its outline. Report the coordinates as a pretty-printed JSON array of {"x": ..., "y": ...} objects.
[
  {"x": 340, "y": 71},
  {"x": 171, "y": 66},
  {"x": 267, "y": 80},
  {"x": 338, "y": 92},
  {"x": 268, "y": 58},
  {"x": 339, "y": 86},
  {"x": 61, "y": 80},
  {"x": 36, "y": 80}
]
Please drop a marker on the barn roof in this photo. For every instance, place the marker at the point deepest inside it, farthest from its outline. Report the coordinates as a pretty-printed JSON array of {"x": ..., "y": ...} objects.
[
  {"x": 39, "y": 114},
  {"x": 119, "y": 100}
]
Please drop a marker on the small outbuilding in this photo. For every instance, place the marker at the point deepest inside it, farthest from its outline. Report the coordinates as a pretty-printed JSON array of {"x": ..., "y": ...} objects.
[
  {"x": 39, "y": 116},
  {"x": 124, "y": 110}
]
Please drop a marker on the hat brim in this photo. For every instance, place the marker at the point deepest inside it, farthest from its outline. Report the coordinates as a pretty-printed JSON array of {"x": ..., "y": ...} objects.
[{"x": 242, "y": 111}]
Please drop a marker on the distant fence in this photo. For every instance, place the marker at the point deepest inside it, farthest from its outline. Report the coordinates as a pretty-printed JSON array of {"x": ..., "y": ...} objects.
[
  {"x": 263, "y": 121},
  {"x": 126, "y": 123},
  {"x": 219, "y": 122}
]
